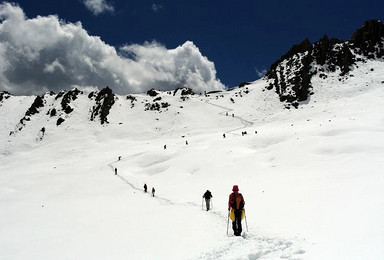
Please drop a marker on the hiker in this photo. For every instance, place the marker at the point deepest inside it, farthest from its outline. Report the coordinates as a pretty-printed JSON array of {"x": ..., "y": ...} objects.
[
  {"x": 153, "y": 192},
  {"x": 115, "y": 171},
  {"x": 186, "y": 142},
  {"x": 207, "y": 196},
  {"x": 236, "y": 204},
  {"x": 223, "y": 135},
  {"x": 119, "y": 158},
  {"x": 145, "y": 187},
  {"x": 165, "y": 147}
]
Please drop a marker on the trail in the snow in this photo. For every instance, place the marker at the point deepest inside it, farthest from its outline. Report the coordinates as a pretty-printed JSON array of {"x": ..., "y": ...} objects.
[
  {"x": 251, "y": 246},
  {"x": 167, "y": 201},
  {"x": 248, "y": 246},
  {"x": 245, "y": 123}
]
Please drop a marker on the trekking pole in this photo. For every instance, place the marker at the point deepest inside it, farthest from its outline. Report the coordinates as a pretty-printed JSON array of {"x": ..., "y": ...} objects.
[
  {"x": 227, "y": 222},
  {"x": 245, "y": 217}
]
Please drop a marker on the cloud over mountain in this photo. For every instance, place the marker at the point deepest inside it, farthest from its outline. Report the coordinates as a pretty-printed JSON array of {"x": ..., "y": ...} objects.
[{"x": 46, "y": 53}]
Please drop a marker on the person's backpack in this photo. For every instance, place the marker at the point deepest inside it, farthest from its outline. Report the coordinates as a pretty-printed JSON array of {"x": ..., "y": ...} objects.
[
  {"x": 237, "y": 201},
  {"x": 207, "y": 195}
]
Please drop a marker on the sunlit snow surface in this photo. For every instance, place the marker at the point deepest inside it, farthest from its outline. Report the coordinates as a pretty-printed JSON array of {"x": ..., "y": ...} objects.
[{"x": 312, "y": 177}]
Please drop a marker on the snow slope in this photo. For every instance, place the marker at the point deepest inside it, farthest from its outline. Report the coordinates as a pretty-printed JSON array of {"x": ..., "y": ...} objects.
[{"x": 311, "y": 177}]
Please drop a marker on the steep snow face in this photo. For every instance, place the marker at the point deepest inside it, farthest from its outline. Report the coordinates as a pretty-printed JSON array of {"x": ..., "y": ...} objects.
[{"x": 311, "y": 177}]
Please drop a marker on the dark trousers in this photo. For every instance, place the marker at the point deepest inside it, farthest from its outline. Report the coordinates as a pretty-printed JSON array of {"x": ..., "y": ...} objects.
[
  {"x": 207, "y": 203},
  {"x": 236, "y": 225}
]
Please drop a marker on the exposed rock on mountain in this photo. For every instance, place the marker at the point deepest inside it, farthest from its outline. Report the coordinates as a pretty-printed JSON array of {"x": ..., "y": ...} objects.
[
  {"x": 368, "y": 40},
  {"x": 291, "y": 75},
  {"x": 4, "y": 95},
  {"x": 34, "y": 109},
  {"x": 104, "y": 102},
  {"x": 60, "y": 121},
  {"x": 67, "y": 98},
  {"x": 152, "y": 92}
]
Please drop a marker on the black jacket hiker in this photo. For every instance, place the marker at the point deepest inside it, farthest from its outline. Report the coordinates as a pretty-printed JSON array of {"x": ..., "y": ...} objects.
[
  {"x": 207, "y": 196},
  {"x": 145, "y": 187}
]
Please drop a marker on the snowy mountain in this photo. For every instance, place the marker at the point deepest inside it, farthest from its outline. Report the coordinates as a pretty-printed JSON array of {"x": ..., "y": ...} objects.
[
  {"x": 311, "y": 177},
  {"x": 291, "y": 76}
]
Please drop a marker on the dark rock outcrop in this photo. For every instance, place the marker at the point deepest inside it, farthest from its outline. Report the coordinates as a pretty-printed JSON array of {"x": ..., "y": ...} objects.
[
  {"x": 152, "y": 92},
  {"x": 34, "y": 109},
  {"x": 132, "y": 98},
  {"x": 368, "y": 40},
  {"x": 53, "y": 112},
  {"x": 291, "y": 75},
  {"x": 59, "y": 121},
  {"x": 156, "y": 106},
  {"x": 187, "y": 91},
  {"x": 104, "y": 102},
  {"x": 41, "y": 134},
  {"x": 4, "y": 95},
  {"x": 243, "y": 84},
  {"x": 67, "y": 98}
]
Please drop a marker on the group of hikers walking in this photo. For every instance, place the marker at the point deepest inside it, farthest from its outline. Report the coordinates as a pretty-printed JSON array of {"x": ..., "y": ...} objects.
[
  {"x": 235, "y": 206},
  {"x": 146, "y": 187},
  {"x": 236, "y": 211}
]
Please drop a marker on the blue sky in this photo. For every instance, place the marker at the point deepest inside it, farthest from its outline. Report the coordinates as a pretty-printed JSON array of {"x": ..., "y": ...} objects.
[{"x": 241, "y": 38}]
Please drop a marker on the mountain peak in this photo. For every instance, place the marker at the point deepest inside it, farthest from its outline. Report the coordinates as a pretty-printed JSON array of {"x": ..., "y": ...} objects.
[
  {"x": 291, "y": 75},
  {"x": 369, "y": 39}
]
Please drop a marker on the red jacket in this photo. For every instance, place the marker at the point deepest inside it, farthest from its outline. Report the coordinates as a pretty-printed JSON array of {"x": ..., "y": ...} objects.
[{"x": 231, "y": 196}]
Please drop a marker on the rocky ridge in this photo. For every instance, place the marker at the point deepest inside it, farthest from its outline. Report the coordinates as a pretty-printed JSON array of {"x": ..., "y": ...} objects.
[{"x": 291, "y": 75}]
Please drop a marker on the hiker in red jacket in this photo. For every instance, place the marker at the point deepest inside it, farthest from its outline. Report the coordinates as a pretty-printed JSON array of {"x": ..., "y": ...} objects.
[{"x": 236, "y": 202}]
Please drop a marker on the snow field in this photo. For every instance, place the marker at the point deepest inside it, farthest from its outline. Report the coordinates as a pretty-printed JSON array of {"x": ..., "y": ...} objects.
[{"x": 311, "y": 178}]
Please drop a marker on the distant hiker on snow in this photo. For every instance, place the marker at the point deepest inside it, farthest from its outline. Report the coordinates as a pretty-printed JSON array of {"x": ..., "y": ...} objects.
[
  {"x": 236, "y": 207},
  {"x": 145, "y": 187},
  {"x": 207, "y": 196},
  {"x": 115, "y": 171},
  {"x": 153, "y": 192}
]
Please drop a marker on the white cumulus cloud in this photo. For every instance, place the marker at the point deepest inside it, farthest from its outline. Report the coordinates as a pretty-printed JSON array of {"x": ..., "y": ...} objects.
[
  {"x": 55, "y": 65},
  {"x": 46, "y": 53},
  {"x": 98, "y": 6},
  {"x": 182, "y": 66}
]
